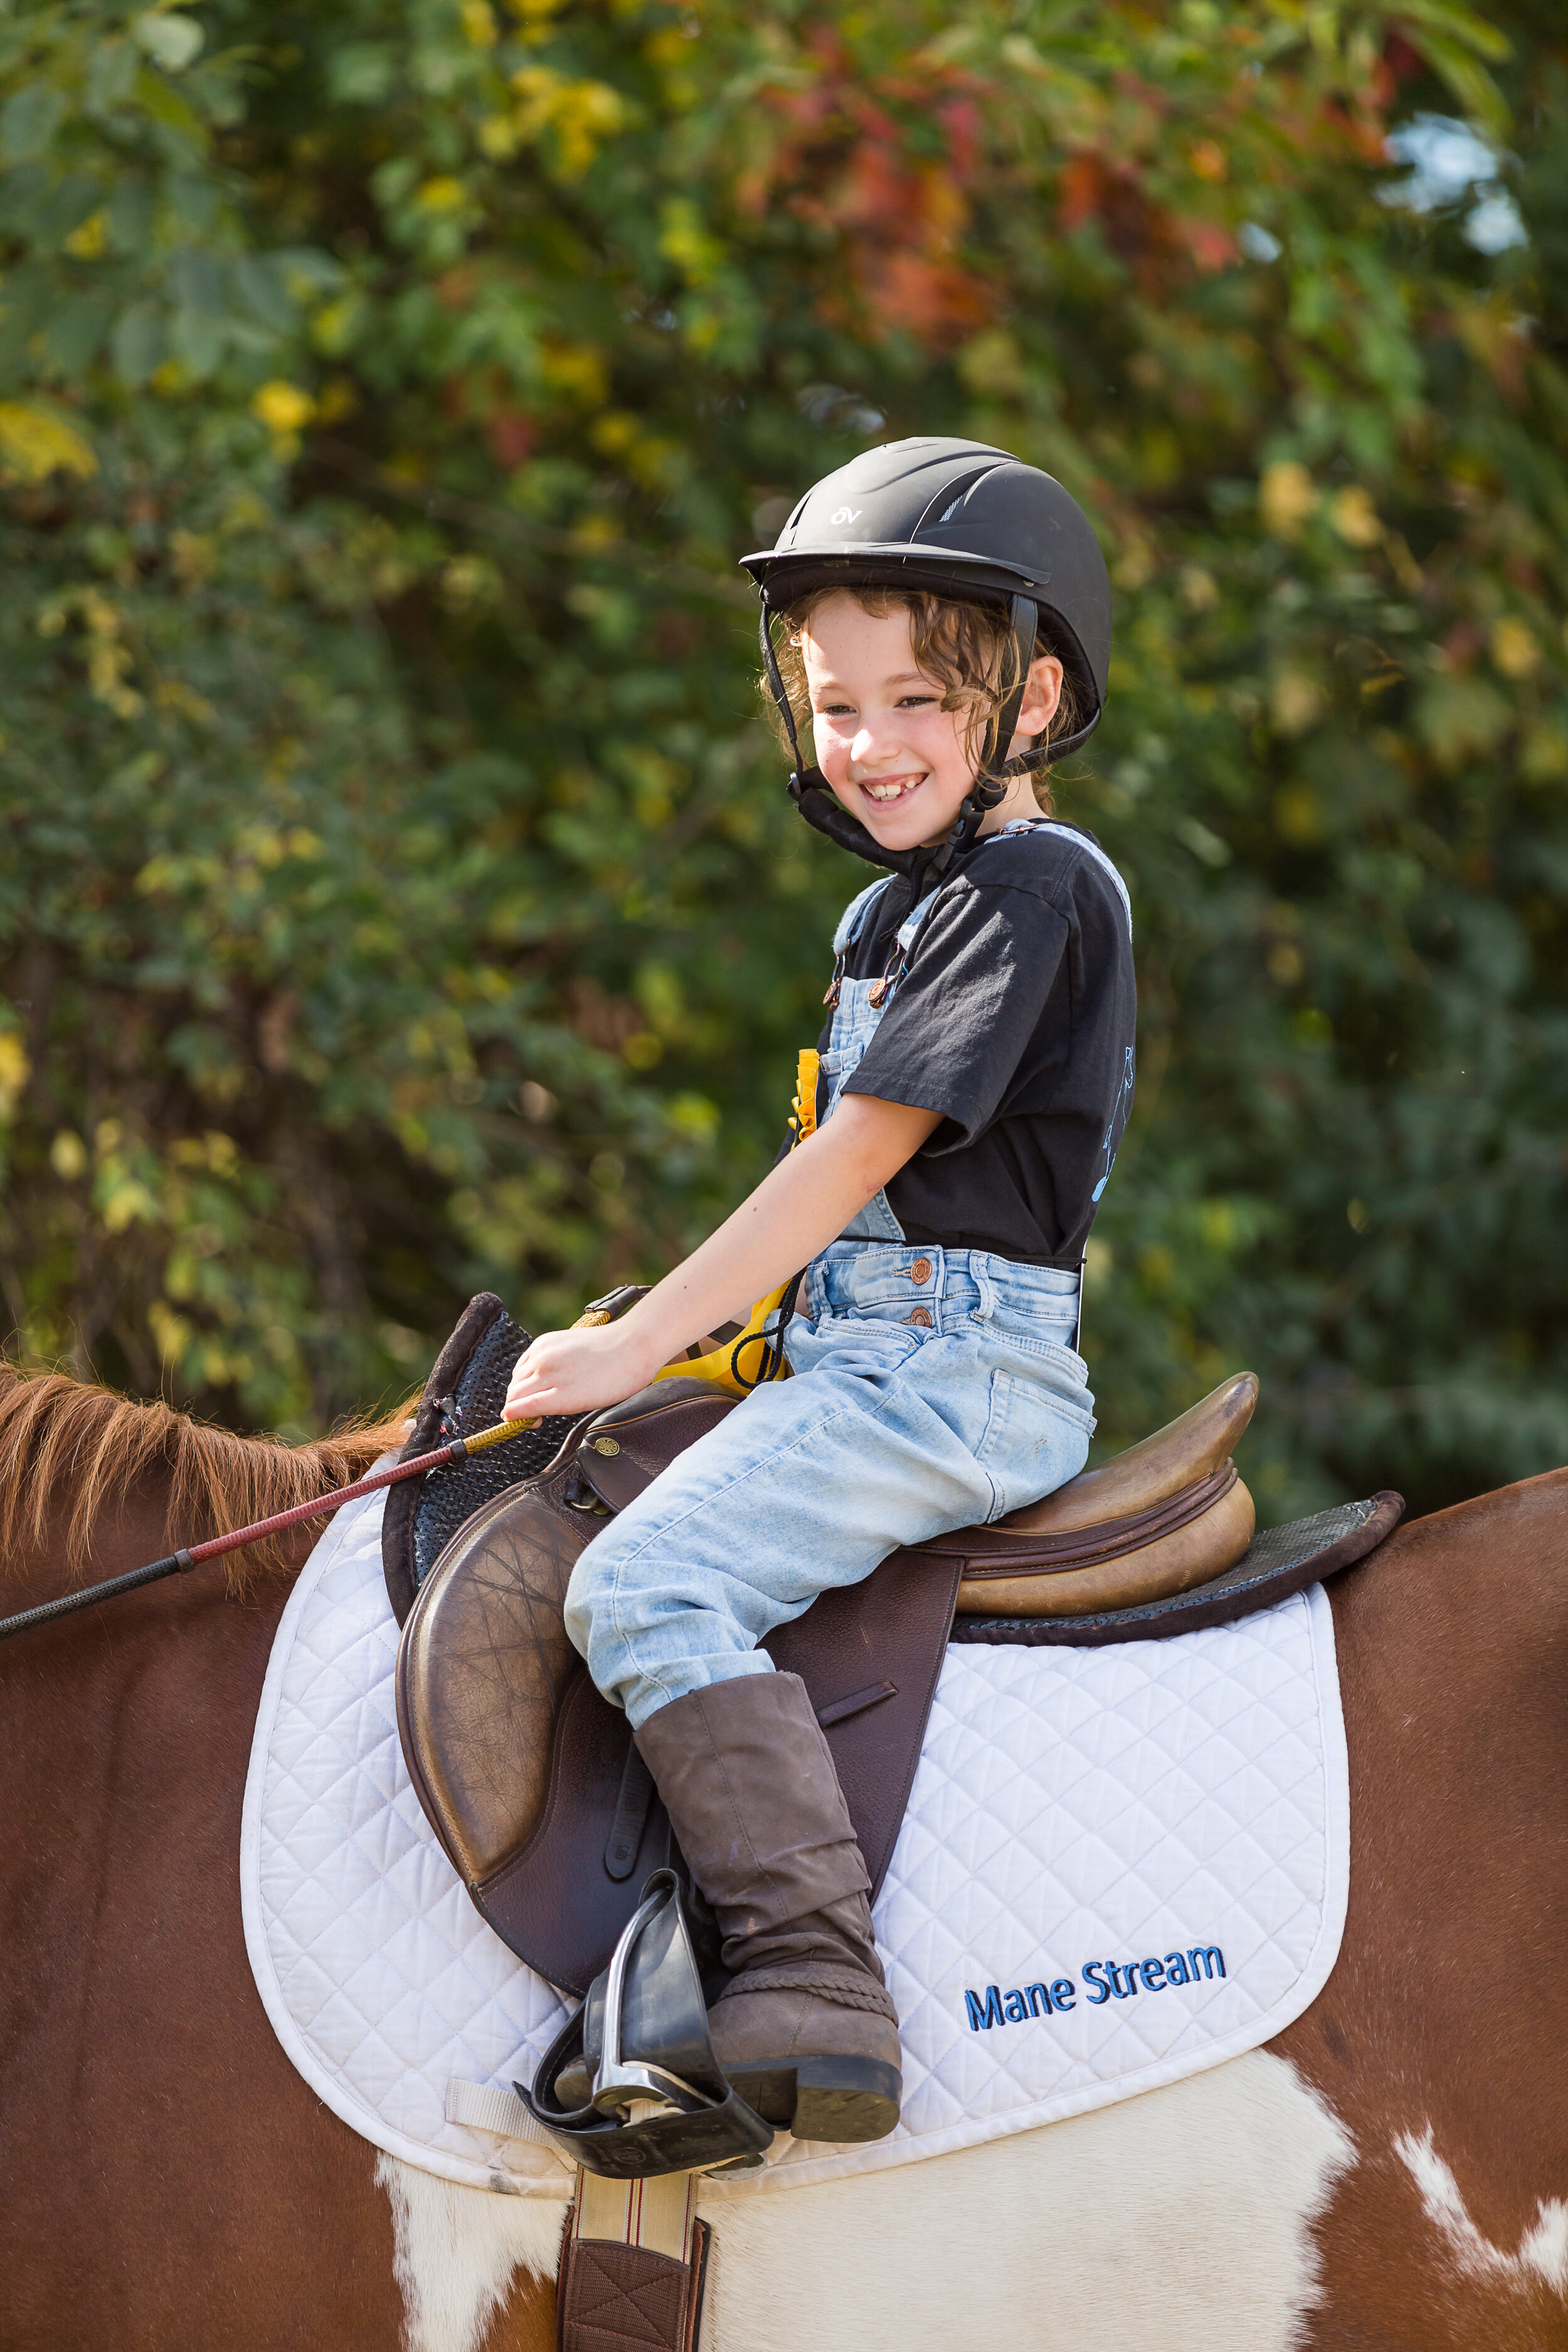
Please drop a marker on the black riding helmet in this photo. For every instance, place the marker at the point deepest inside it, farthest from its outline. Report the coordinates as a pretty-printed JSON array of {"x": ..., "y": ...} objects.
[{"x": 963, "y": 519}]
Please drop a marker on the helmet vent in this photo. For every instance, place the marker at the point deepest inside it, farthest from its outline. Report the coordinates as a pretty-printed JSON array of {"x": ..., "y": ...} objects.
[{"x": 953, "y": 495}]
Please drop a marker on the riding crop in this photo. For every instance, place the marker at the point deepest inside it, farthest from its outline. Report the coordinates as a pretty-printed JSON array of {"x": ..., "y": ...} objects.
[{"x": 179, "y": 1563}]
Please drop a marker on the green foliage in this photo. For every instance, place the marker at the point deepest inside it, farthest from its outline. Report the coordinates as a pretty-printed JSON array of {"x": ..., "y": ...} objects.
[{"x": 401, "y": 896}]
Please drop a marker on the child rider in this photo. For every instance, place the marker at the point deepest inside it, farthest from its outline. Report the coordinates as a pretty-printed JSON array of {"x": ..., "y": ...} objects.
[{"x": 946, "y": 627}]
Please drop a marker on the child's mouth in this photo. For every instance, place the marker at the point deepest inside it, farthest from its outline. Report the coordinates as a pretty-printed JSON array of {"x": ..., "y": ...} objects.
[{"x": 890, "y": 792}]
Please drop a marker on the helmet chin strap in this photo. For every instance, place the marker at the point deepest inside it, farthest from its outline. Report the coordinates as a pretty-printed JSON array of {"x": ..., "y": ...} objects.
[
  {"x": 809, "y": 788},
  {"x": 814, "y": 796}
]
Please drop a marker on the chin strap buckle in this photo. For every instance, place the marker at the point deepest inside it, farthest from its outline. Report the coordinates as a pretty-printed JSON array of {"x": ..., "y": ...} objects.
[{"x": 656, "y": 2100}]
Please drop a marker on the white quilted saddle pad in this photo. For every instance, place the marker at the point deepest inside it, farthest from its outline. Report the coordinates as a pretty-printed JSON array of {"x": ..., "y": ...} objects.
[{"x": 1119, "y": 1866}]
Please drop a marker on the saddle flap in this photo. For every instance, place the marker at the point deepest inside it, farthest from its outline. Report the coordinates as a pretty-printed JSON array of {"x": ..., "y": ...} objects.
[
  {"x": 483, "y": 1662},
  {"x": 521, "y": 1767},
  {"x": 626, "y": 1446}
]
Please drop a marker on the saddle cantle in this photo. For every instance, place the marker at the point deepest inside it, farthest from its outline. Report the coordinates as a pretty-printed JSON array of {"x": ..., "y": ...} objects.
[{"x": 530, "y": 1778}]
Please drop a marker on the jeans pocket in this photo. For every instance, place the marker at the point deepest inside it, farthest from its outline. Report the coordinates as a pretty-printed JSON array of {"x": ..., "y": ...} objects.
[{"x": 1035, "y": 1441}]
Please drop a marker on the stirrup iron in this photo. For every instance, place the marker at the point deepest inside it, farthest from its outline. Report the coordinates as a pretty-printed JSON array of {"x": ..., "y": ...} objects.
[{"x": 659, "y": 2102}]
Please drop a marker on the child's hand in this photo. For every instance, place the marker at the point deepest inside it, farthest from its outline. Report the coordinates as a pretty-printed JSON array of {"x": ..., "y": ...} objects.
[{"x": 579, "y": 1371}]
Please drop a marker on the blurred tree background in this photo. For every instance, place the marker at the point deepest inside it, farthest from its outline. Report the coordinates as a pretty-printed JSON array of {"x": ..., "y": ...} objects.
[{"x": 400, "y": 895}]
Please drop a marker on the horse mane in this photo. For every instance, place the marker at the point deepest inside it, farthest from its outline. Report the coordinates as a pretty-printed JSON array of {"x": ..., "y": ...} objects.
[{"x": 62, "y": 1437}]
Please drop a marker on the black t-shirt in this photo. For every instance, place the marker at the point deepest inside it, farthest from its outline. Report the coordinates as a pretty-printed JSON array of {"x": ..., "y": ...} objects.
[{"x": 1014, "y": 1019}]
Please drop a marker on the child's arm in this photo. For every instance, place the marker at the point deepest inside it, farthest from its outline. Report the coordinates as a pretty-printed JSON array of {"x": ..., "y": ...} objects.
[{"x": 802, "y": 1205}]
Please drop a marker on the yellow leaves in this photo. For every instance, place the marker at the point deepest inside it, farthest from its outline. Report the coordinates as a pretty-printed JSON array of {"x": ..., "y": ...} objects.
[
  {"x": 499, "y": 138},
  {"x": 120, "y": 1194},
  {"x": 991, "y": 361},
  {"x": 442, "y": 195},
  {"x": 646, "y": 457},
  {"x": 1207, "y": 160},
  {"x": 1199, "y": 593},
  {"x": 173, "y": 1332},
  {"x": 578, "y": 369},
  {"x": 669, "y": 48},
  {"x": 1295, "y": 701},
  {"x": 695, "y": 253},
  {"x": 1354, "y": 516},
  {"x": 478, "y": 23},
  {"x": 108, "y": 658},
  {"x": 1287, "y": 495},
  {"x": 214, "y": 1153},
  {"x": 614, "y": 432},
  {"x": 1514, "y": 649},
  {"x": 269, "y": 846},
  {"x": 1157, "y": 1265},
  {"x": 192, "y": 556},
  {"x": 173, "y": 694},
  {"x": 694, "y": 1117},
  {"x": 68, "y": 1156},
  {"x": 1299, "y": 816},
  {"x": 87, "y": 241},
  {"x": 469, "y": 582},
  {"x": 579, "y": 115},
  {"x": 35, "y": 442},
  {"x": 15, "y": 1069},
  {"x": 285, "y": 410},
  {"x": 1543, "y": 756}
]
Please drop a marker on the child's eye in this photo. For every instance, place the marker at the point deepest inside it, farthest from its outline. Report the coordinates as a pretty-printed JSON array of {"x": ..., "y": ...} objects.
[
  {"x": 834, "y": 709},
  {"x": 916, "y": 701}
]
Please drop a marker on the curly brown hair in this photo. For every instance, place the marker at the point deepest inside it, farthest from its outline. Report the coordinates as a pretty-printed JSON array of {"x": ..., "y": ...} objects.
[{"x": 969, "y": 650}]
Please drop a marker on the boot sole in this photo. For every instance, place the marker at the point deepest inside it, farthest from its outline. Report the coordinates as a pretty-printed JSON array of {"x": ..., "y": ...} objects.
[{"x": 823, "y": 2098}]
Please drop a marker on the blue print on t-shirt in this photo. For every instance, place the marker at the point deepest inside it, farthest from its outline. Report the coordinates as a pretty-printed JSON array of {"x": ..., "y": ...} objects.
[{"x": 1117, "y": 1125}]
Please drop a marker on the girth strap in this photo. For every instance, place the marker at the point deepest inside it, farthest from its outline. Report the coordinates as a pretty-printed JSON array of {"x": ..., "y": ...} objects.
[{"x": 633, "y": 2261}]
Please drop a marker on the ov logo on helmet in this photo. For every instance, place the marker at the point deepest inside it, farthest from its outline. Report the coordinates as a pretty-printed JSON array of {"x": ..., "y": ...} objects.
[{"x": 847, "y": 514}]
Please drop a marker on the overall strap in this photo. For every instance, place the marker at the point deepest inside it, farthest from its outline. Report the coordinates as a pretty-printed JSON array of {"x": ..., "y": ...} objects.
[
  {"x": 1075, "y": 834},
  {"x": 852, "y": 921}
]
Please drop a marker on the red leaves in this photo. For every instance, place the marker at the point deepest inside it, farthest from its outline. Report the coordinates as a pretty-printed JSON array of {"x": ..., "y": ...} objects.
[
  {"x": 844, "y": 164},
  {"x": 1150, "y": 239}
]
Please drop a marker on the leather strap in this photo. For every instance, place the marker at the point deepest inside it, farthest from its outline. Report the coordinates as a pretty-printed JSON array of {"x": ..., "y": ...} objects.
[{"x": 634, "y": 2258}]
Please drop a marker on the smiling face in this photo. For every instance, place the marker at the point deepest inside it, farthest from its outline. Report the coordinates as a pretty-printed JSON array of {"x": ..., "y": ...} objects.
[{"x": 894, "y": 757}]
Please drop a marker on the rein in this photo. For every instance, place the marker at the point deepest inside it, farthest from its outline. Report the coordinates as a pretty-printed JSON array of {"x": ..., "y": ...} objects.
[{"x": 179, "y": 1563}]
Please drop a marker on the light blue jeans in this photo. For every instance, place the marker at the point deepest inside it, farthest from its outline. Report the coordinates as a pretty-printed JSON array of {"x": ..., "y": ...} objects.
[{"x": 932, "y": 1388}]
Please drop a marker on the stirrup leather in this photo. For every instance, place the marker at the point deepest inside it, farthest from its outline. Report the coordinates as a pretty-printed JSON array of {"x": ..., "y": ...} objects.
[{"x": 659, "y": 2101}]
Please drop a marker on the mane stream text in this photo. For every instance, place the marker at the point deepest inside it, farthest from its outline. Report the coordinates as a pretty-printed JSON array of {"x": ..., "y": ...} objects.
[{"x": 1103, "y": 1980}]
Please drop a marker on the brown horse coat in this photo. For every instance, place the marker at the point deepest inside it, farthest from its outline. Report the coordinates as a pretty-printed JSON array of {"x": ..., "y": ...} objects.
[{"x": 169, "y": 2185}]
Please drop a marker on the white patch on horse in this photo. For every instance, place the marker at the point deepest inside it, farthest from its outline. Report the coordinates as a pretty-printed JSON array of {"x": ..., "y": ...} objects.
[
  {"x": 457, "y": 2249},
  {"x": 1543, "y": 2256},
  {"x": 1182, "y": 2219}
]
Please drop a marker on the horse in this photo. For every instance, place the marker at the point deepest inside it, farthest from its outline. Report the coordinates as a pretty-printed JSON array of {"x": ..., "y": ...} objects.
[{"x": 1389, "y": 2175}]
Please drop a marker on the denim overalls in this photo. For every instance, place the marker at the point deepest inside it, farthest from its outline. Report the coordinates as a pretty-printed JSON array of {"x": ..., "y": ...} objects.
[{"x": 932, "y": 1388}]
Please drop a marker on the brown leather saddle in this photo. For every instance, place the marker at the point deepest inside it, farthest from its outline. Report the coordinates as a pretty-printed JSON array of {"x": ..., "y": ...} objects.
[{"x": 529, "y": 1779}]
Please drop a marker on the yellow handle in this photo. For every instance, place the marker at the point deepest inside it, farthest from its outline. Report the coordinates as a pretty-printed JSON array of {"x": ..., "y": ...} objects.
[
  {"x": 808, "y": 1063},
  {"x": 719, "y": 1366}
]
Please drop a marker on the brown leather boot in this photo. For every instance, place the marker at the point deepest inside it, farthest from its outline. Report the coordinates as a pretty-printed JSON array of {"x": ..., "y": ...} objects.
[{"x": 807, "y": 2032}]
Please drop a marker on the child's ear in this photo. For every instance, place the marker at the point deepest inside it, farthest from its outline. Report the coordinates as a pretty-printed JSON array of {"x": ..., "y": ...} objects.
[{"x": 1041, "y": 696}]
